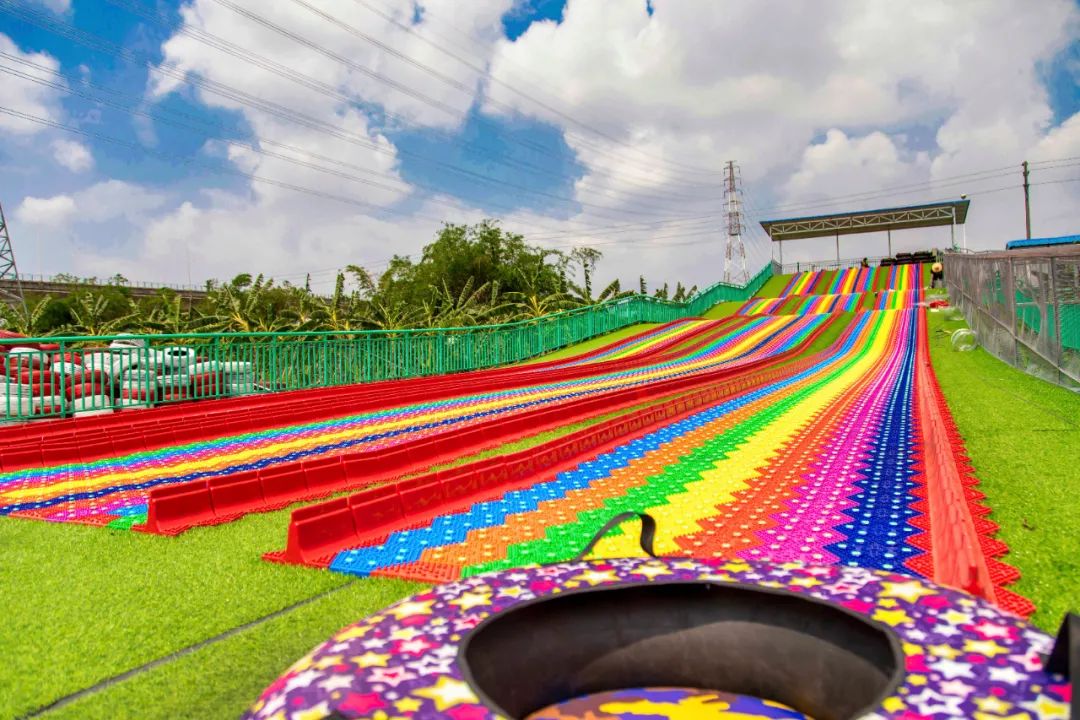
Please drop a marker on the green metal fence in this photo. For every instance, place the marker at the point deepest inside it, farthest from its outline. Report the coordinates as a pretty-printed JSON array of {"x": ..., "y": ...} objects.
[{"x": 83, "y": 375}]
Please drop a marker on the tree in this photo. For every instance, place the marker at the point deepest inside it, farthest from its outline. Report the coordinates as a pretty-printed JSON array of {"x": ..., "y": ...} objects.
[
  {"x": 341, "y": 311},
  {"x": 246, "y": 305},
  {"x": 304, "y": 309},
  {"x": 530, "y": 306},
  {"x": 682, "y": 294},
  {"x": 586, "y": 258},
  {"x": 383, "y": 316},
  {"x": 93, "y": 314},
  {"x": 166, "y": 313},
  {"x": 481, "y": 254},
  {"x": 468, "y": 274},
  {"x": 468, "y": 307},
  {"x": 33, "y": 322},
  {"x": 365, "y": 285}
]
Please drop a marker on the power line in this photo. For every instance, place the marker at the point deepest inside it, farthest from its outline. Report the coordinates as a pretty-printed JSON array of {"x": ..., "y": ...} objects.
[
  {"x": 630, "y": 226},
  {"x": 712, "y": 238},
  {"x": 162, "y": 117},
  {"x": 353, "y": 30},
  {"x": 1052, "y": 160},
  {"x": 914, "y": 188},
  {"x": 224, "y": 169},
  {"x": 230, "y": 170},
  {"x": 883, "y": 192},
  {"x": 269, "y": 107},
  {"x": 517, "y": 91},
  {"x": 347, "y": 62}
]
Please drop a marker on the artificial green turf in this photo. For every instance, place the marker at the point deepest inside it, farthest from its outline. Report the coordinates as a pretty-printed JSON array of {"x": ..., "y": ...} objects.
[
  {"x": 773, "y": 286},
  {"x": 1023, "y": 437},
  {"x": 540, "y": 438},
  {"x": 830, "y": 334},
  {"x": 221, "y": 680},
  {"x": 122, "y": 599},
  {"x": 592, "y": 344},
  {"x": 83, "y": 604},
  {"x": 723, "y": 310}
]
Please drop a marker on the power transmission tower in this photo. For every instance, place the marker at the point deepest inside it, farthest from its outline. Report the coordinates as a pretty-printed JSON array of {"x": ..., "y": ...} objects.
[
  {"x": 11, "y": 287},
  {"x": 733, "y": 204}
]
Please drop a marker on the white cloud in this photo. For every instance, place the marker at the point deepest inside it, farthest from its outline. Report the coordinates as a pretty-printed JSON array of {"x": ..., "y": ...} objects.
[
  {"x": 86, "y": 231},
  {"x": 53, "y": 212},
  {"x": 699, "y": 83},
  {"x": 99, "y": 203},
  {"x": 846, "y": 166},
  {"x": 75, "y": 156},
  {"x": 814, "y": 100},
  {"x": 344, "y": 49},
  {"x": 113, "y": 199},
  {"x": 57, "y": 6},
  {"x": 24, "y": 96}
]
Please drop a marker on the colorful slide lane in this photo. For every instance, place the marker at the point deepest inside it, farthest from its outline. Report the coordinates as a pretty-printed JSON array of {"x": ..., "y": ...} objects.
[
  {"x": 645, "y": 474},
  {"x": 114, "y": 491},
  {"x": 664, "y": 336},
  {"x": 826, "y": 465},
  {"x": 854, "y": 280},
  {"x": 830, "y": 304}
]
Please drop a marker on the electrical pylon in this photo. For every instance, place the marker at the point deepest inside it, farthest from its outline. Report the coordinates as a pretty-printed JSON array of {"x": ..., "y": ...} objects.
[
  {"x": 11, "y": 290},
  {"x": 735, "y": 247}
]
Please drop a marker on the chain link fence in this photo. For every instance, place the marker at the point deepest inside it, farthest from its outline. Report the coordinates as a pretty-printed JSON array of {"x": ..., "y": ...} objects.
[{"x": 1024, "y": 307}]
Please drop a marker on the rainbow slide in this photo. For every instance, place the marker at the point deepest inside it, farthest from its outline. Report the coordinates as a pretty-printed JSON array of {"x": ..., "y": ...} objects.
[{"x": 824, "y": 460}]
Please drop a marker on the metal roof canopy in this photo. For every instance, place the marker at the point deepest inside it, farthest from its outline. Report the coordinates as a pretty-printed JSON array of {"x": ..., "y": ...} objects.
[
  {"x": 952, "y": 213},
  {"x": 1043, "y": 242}
]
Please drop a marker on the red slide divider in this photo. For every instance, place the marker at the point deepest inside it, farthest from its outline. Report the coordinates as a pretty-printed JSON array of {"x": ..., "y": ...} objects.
[
  {"x": 85, "y": 439},
  {"x": 316, "y": 533},
  {"x": 175, "y": 508},
  {"x": 956, "y": 537}
]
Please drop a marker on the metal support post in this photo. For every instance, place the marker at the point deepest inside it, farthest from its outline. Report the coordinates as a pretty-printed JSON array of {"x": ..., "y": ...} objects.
[
  {"x": 952, "y": 229},
  {"x": 1027, "y": 203}
]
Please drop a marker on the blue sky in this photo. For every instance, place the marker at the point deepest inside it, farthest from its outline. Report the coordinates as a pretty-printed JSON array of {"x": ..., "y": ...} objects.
[
  {"x": 645, "y": 116},
  {"x": 481, "y": 141}
]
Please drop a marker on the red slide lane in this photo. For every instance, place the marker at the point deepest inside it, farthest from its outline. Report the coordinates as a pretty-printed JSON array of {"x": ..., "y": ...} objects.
[
  {"x": 318, "y": 532},
  {"x": 86, "y": 439},
  {"x": 959, "y": 550},
  {"x": 175, "y": 508}
]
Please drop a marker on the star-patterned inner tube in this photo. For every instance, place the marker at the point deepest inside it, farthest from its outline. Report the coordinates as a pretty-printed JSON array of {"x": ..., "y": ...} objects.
[
  {"x": 675, "y": 703},
  {"x": 827, "y": 642}
]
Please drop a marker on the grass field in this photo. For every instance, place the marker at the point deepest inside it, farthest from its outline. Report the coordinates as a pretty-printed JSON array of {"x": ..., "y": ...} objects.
[
  {"x": 1023, "y": 436},
  {"x": 773, "y": 286},
  {"x": 83, "y": 605},
  {"x": 86, "y": 604},
  {"x": 723, "y": 310},
  {"x": 592, "y": 344}
]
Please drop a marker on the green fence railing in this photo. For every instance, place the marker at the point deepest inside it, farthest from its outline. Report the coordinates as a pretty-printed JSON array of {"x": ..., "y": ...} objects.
[{"x": 80, "y": 375}]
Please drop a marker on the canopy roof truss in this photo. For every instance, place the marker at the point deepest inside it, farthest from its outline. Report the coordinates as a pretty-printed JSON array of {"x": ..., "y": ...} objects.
[
  {"x": 865, "y": 221},
  {"x": 950, "y": 213}
]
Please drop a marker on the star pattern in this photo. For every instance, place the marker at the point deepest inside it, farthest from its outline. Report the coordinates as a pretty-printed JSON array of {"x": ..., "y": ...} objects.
[{"x": 964, "y": 658}]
